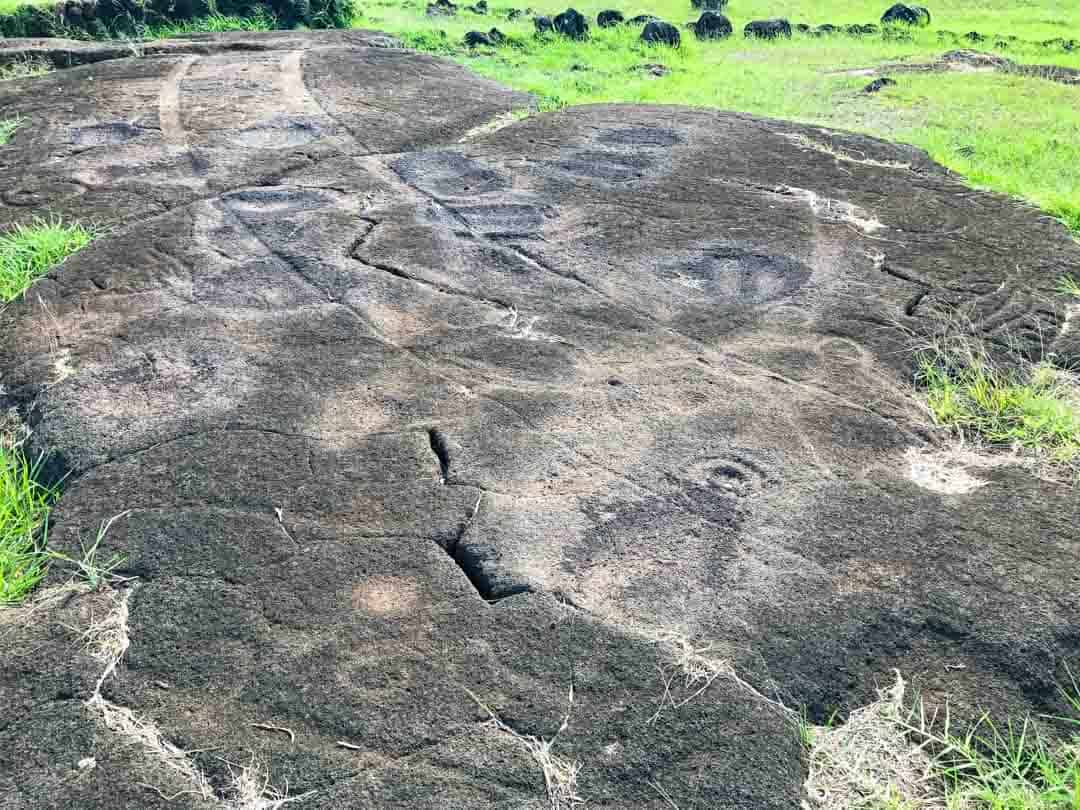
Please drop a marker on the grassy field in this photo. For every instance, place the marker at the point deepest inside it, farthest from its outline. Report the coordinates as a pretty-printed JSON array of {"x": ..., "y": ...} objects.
[{"x": 1015, "y": 134}]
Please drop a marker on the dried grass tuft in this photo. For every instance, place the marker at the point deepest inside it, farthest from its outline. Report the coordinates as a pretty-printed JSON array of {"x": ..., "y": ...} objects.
[
  {"x": 871, "y": 762},
  {"x": 560, "y": 774}
]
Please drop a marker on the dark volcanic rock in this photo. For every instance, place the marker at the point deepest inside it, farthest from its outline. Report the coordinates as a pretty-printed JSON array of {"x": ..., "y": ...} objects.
[
  {"x": 642, "y": 19},
  {"x": 652, "y": 68},
  {"x": 400, "y": 425},
  {"x": 711, "y": 25},
  {"x": 863, "y": 30},
  {"x": 441, "y": 8},
  {"x": 658, "y": 32},
  {"x": 543, "y": 24},
  {"x": 906, "y": 15},
  {"x": 110, "y": 19},
  {"x": 768, "y": 29},
  {"x": 879, "y": 84},
  {"x": 896, "y": 33},
  {"x": 571, "y": 23},
  {"x": 709, "y": 5},
  {"x": 1060, "y": 43},
  {"x": 492, "y": 38},
  {"x": 606, "y": 19}
]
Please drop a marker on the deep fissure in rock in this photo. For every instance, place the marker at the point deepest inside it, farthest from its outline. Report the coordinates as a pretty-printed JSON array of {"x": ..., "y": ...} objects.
[
  {"x": 469, "y": 560},
  {"x": 441, "y": 451}
]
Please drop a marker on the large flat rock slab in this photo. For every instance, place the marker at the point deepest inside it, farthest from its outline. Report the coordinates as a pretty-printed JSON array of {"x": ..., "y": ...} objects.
[
  {"x": 119, "y": 140},
  {"x": 411, "y": 416}
]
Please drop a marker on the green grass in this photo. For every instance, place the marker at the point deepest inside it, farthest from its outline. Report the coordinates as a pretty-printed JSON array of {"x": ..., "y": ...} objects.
[
  {"x": 1014, "y": 134},
  {"x": 1070, "y": 286},
  {"x": 213, "y": 23},
  {"x": 89, "y": 567},
  {"x": 891, "y": 755},
  {"x": 24, "y": 69},
  {"x": 1011, "y": 766},
  {"x": 28, "y": 252},
  {"x": 24, "y": 511},
  {"x": 7, "y": 128},
  {"x": 25, "y": 254},
  {"x": 1034, "y": 406}
]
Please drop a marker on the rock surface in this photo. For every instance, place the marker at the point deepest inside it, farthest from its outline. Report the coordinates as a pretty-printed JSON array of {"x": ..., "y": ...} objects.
[
  {"x": 571, "y": 23},
  {"x": 711, "y": 25},
  {"x": 442, "y": 8},
  {"x": 879, "y": 84},
  {"x": 609, "y": 18},
  {"x": 490, "y": 39},
  {"x": 409, "y": 412},
  {"x": 906, "y": 14},
  {"x": 768, "y": 29},
  {"x": 658, "y": 32}
]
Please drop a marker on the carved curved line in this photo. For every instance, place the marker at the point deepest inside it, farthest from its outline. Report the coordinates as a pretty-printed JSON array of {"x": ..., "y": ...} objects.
[{"x": 172, "y": 125}]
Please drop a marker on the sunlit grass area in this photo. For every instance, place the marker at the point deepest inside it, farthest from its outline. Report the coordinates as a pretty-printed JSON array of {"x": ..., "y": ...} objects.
[
  {"x": 28, "y": 252},
  {"x": 24, "y": 510}
]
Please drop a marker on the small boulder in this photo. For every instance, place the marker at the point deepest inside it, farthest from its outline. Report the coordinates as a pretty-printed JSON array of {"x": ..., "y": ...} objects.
[
  {"x": 906, "y": 15},
  {"x": 711, "y": 25},
  {"x": 802, "y": 28},
  {"x": 606, "y": 19},
  {"x": 658, "y": 32},
  {"x": 642, "y": 19},
  {"x": 441, "y": 8},
  {"x": 861, "y": 30},
  {"x": 652, "y": 69},
  {"x": 491, "y": 39},
  {"x": 893, "y": 33},
  {"x": 768, "y": 29},
  {"x": 877, "y": 85},
  {"x": 709, "y": 5},
  {"x": 571, "y": 23},
  {"x": 543, "y": 24}
]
